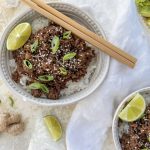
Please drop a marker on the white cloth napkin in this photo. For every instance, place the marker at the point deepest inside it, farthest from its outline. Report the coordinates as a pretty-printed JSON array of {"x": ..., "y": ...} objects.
[
  {"x": 10, "y": 3},
  {"x": 93, "y": 116}
]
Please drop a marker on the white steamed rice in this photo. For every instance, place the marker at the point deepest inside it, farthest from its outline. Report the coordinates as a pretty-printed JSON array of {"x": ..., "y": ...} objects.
[
  {"x": 39, "y": 23},
  {"x": 71, "y": 87}
]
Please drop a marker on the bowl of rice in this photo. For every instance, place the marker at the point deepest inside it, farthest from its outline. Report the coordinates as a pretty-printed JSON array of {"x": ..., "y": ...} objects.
[
  {"x": 129, "y": 135},
  {"x": 78, "y": 85}
]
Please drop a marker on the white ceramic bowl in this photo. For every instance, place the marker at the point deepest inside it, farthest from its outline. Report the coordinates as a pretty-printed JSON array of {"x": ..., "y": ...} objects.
[
  {"x": 77, "y": 14},
  {"x": 115, "y": 131}
]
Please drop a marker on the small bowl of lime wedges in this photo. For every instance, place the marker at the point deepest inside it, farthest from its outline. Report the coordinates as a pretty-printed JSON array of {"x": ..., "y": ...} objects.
[{"x": 131, "y": 121}]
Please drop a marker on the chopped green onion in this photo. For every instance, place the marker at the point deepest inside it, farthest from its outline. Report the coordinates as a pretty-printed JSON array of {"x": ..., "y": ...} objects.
[
  {"x": 34, "y": 46},
  {"x": 38, "y": 86},
  {"x": 149, "y": 138},
  {"x": 142, "y": 116},
  {"x": 35, "y": 86},
  {"x": 55, "y": 44},
  {"x": 66, "y": 35},
  {"x": 69, "y": 56},
  {"x": 63, "y": 71},
  {"x": 44, "y": 88},
  {"x": 11, "y": 101},
  {"x": 27, "y": 63},
  {"x": 46, "y": 78}
]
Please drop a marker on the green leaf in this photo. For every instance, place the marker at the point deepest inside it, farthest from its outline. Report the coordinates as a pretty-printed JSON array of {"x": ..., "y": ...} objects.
[
  {"x": 145, "y": 11},
  {"x": 34, "y": 46},
  {"x": 69, "y": 56},
  {"x": 66, "y": 35},
  {"x": 55, "y": 44},
  {"x": 38, "y": 86},
  {"x": 46, "y": 78},
  {"x": 27, "y": 63},
  {"x": 63, "y": 71}
]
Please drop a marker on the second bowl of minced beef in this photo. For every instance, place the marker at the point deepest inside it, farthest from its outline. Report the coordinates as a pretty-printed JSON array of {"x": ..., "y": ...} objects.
[
  {"x": 131, "y": 123},
  {"x": 54, "y": 66}
]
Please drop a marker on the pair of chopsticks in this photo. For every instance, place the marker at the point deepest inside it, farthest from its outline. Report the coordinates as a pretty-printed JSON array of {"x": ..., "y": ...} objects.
[{"x": 81, "y": 31}]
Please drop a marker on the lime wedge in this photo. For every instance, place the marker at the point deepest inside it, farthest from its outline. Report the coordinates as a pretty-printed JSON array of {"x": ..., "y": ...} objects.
[
  {"x": 18, "y": 36},
  {"x": 53, "y": 126},
  {"x": 134, "y": 109}
]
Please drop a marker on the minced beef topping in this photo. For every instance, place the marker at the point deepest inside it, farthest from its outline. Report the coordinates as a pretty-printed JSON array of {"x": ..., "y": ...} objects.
[
  {"x": 43, "y": 61},
  {"x": 138, "y": 136}
]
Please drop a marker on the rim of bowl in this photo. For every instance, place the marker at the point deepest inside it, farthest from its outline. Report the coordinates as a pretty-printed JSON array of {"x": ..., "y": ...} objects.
[
  {"x": 115, "y": 118},
  {"x": 70, "y": 100}
]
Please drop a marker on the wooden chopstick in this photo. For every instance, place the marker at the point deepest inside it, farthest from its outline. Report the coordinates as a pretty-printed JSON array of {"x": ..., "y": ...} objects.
[
  {"x": 82, "y": 28},
  {"x": 125, "y": 58}
]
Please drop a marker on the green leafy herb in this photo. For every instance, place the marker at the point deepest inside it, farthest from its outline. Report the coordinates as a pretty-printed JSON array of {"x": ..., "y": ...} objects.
[
  {"x": 11, "y": 101},
  {"x": 66, "y": 35},
  {"x": 55, "y": 44},
  {"x": 40, "y": 86},
  {"x": 27, "y": 63},
  {"x": 63, "y": 71},
  {"x": 46, "y": 78},
  {"x": 145, "y": 11},
  {"x": 34, "y": 46},
  {"x": 144, "y": 7},
  {"x": 69, "y": 56},
  {"x": 143, "y": 3},
  {"x": 0, "y": 102}
]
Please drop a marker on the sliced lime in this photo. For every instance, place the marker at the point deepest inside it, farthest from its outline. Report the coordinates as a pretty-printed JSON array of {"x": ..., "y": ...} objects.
[
  {"x": 134, "y": 109},
  {"x": 18, "y": 36},
  {"x": 54, "y": 127}
]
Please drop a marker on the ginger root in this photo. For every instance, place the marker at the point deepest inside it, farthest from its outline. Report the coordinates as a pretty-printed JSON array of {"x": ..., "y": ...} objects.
[
  {"x": 11, "y": 123},
  {"x": 3, "y": 121},
  {"x": 16, "y": 129}
]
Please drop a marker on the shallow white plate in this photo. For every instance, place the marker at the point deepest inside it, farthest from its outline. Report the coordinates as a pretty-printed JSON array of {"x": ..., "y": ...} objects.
[{"x": 102, "y": 62}]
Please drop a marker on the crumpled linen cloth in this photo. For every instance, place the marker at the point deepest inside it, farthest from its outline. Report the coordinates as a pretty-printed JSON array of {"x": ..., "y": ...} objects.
[{"x": 93, "y": 116}]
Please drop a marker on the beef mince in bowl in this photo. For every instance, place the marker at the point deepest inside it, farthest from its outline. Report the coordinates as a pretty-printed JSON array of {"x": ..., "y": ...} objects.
[{"x": 50, "y": 59}]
